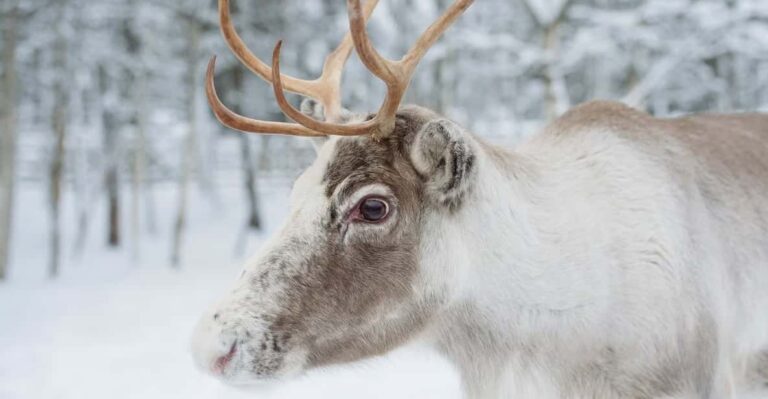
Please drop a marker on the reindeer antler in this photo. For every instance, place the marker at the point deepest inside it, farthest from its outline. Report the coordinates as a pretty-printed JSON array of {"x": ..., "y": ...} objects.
[
  {"x": 326, "y": 89},
  {"x": 395, "y": 74}
]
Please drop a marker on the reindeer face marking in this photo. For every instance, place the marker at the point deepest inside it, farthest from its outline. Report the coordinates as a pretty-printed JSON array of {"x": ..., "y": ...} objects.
[{"x": 342, "y": 280}]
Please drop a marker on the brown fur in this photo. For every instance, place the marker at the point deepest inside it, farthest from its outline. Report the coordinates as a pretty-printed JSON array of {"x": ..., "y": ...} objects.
[{"x": 348, "y": 283}]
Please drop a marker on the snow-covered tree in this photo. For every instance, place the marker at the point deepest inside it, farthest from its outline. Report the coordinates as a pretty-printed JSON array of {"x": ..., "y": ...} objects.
[{"x": 104, "y": 101}]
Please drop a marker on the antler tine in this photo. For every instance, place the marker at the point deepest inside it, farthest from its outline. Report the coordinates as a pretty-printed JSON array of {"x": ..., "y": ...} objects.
[
  {"x": 396, "y": 74},
  {"x": 333, "y": 68},
  {"x": 430, "y": 36},
  {"x": 241, "y": 51},
  {"x": 357, "y": 129},
  {"x": 326, "y": 89},
  {"x": 383, "y": 68},
  {"x": 232, "y": 120}
]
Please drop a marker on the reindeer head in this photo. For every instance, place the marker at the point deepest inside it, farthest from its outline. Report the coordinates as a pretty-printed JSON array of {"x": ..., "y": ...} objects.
[{"x": 364, "y": 262}]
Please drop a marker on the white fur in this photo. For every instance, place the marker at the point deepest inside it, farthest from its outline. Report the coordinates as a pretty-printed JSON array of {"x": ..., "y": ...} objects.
[
  {"x": 585, "y": 246},
  {"x": 211, "y": 340},
  {"x": 583, "y": 259}
]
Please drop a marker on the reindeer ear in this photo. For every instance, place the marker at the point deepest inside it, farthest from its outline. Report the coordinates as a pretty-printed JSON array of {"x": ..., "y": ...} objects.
[
  {"x": 312, "y": 108},
  {"x": 443, "y": 154}
]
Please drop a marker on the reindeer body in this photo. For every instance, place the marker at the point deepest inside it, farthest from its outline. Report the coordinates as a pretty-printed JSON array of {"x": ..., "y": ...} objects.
[{"x": 614, "y": 255}]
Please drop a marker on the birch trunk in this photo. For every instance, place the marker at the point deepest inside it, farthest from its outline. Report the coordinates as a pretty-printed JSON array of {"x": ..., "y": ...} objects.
[
  {"x": 549, "y": 19},
  {"x": 82, "y": 177},
  {"x": 111, "y": 182},
  {"x": 59, "y": 127},
  {"x": 7, "y": 133},
  {"x": 189, "y": 141},
  {"x": 250, "y": 180},
  {"x": 557, "y": 98},
  {"x": 136, "y": 49},
  {"x": 139, "y": 165},
  {"x": 250, "y": 183}
]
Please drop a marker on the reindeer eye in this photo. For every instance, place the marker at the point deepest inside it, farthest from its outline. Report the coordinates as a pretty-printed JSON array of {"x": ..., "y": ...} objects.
[{"x": 373, "y": 210}]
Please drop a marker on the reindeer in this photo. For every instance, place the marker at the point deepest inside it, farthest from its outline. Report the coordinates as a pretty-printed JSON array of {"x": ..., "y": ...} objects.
[{"x": 612, "y": 255}]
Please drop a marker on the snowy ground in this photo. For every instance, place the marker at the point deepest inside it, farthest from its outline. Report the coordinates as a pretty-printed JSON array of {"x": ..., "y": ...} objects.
[{"x": 111, "y": 327}]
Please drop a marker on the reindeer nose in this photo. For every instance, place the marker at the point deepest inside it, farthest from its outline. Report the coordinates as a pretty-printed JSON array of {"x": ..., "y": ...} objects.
[
  {"x": 223, "y": 361},
  {"x": 214, "y": 350}
]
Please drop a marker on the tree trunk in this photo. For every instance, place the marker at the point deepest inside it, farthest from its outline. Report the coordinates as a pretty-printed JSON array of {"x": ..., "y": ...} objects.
[
  {"x": 82, "y": 176},
  {"x": 136, "y": 50},
  {"x": 113, "y": 189},
  {"x": 7, "y": 133},
  {"x": 35, "y": 88},
  {"x": 111, "y": 178},
  {"x": 557, "y": 99},
  {"x": 253, "y": 220},
  {"x": 139, "y": 164},
  {"x": 59, "y": 127},
  {"x": 150, "y": 212},
  {"x": 113, "y": 207},
  {"x": 445, "y": 84},
  {"x": 189, "y": 141},
  {"x": 249, "y": 175}
]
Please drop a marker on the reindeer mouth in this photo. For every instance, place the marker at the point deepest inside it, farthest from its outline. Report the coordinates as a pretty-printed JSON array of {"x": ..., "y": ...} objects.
[{"x": 220, "y": 366}]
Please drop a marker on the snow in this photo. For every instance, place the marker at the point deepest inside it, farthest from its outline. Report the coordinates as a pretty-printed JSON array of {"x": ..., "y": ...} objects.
[
  {"x": 113, "y": 328},
  {"x": 117, "y": 326}
]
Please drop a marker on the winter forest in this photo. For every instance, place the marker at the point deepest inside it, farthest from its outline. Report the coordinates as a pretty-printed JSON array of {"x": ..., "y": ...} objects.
[{"x": 124, "y": 204}]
